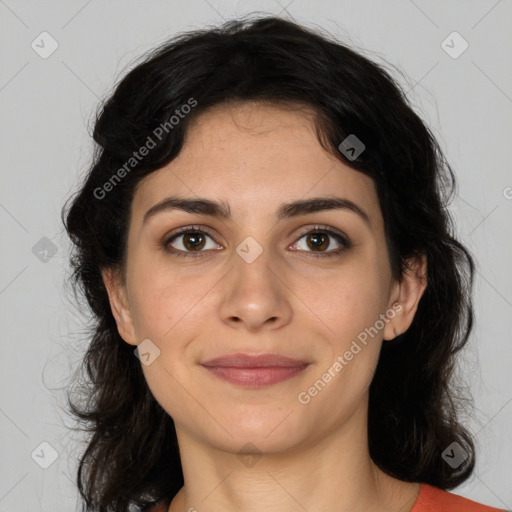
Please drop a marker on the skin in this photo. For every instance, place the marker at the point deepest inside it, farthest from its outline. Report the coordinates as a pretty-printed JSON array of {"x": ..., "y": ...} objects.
[{"x": 315, "y": 456}]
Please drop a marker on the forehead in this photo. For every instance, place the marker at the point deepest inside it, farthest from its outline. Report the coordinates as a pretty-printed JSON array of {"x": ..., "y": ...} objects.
[{"x": 255, "y": 156}]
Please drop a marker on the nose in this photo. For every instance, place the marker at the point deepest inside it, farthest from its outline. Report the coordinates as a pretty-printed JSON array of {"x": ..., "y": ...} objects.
[{"x": 254, "y": 298}]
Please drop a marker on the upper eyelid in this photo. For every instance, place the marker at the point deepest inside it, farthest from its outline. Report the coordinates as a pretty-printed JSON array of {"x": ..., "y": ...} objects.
[
  {"x": 184, "y": 230},
  {"x": 319, "y": 227}
]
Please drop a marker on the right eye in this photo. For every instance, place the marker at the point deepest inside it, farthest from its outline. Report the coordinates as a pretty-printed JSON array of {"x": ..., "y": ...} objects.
[{"x": 189, "y": 241}]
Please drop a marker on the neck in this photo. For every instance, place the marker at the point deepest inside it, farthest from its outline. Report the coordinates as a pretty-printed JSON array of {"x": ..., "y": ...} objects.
[{"x": 333, "y": 472}]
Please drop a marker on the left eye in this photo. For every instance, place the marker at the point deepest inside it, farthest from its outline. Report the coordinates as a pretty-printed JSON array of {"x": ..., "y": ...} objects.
[{"x": 319, "y": 240}]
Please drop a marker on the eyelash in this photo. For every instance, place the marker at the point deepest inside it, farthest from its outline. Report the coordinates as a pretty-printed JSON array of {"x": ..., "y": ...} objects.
[{"x": 344, "y": 241}]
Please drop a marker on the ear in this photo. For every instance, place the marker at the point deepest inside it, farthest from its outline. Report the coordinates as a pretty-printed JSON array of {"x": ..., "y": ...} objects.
[
  {"x": 119, "y": 305},
  {"x": 406, "y": 297}
]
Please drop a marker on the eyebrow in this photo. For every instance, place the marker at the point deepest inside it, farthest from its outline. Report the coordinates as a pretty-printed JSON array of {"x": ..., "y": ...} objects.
[{"x": 287, "y": 210}]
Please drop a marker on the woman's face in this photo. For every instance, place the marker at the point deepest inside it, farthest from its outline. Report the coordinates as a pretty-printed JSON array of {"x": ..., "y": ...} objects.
[{"x": 254, "y": 282}]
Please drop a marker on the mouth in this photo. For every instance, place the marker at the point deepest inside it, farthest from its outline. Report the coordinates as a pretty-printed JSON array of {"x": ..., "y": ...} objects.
[{"x": 254, "y": 371}]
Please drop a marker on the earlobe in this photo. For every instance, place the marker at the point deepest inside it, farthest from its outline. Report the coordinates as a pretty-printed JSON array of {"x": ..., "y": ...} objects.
[
  {"x": 119, "y": 305},
  {"x": 409, "y": 292}
]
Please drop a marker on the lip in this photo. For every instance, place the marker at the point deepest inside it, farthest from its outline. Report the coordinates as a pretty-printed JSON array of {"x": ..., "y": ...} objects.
[
  {"x": 254, "y": 361},
  {"x": 254, "y": 370}
]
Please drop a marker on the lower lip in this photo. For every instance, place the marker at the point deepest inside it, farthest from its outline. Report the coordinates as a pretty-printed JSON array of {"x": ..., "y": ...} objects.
[{"x": 255, "y": 377}]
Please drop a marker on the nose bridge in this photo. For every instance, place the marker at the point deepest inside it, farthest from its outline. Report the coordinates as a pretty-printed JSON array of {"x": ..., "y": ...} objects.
[
  {"x": 252, "y": 263},
  {"x": 254, "y": 295}
]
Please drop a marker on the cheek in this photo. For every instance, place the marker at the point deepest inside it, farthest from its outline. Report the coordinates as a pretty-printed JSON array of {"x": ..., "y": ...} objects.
[
  {"x": 348, "y": 302},
  {"x": 168, "y": 306},
  {"x": 351, "y": 310},
  {"x": 155, "y": 311},
  {"x": 157, "y": 296}
]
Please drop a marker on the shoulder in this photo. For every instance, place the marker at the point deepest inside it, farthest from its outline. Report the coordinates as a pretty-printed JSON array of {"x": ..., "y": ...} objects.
[{"x": 433, "y": 499}]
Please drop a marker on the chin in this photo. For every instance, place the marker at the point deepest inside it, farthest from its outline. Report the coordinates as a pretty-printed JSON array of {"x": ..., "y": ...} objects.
[
  {"x": 269, "y": 432},
  {"x": 247, "y": 442}
]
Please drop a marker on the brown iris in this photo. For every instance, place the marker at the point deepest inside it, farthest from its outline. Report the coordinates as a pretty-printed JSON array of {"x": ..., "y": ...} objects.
[
  {"x": 194, "y": 241},
  {"x": 317, "y": 241}
]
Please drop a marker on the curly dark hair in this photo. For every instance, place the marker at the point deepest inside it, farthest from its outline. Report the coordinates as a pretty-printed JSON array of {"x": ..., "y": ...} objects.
[{"x": 132, "y": 454}]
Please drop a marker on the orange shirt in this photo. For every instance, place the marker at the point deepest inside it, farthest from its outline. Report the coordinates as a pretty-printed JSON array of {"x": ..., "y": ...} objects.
[
  {"x": 430, "y": 499},
  {"x": 433, "y": 499}
]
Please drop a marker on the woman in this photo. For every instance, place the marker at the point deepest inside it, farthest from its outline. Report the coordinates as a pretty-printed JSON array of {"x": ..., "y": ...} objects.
[{"x": 279, "y": 299}]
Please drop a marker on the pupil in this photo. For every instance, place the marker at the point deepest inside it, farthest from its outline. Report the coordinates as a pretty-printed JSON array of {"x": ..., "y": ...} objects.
[
  {"x": 318, "y": 240},
  {"x": 193, "y": 241}
]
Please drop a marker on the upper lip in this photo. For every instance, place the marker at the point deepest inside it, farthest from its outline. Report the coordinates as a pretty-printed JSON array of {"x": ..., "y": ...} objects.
[{"x": 254, "y": 361}]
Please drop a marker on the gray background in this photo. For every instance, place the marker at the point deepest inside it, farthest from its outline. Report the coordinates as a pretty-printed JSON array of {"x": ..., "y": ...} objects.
[{"x": 46, "y": 113}]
